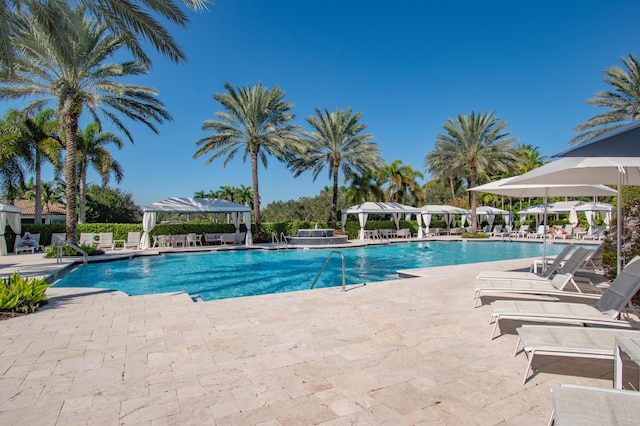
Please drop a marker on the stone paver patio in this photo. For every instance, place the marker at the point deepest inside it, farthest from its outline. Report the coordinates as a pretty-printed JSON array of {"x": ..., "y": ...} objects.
[{"x": 410, "y": 351}]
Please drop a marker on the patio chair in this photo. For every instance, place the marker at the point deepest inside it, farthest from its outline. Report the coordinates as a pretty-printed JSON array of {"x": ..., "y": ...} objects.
[
  {"x": 105, "y": 240},
  {"x": 133, "y": 240},
  {"x": 539, "y": 286},
  {"x": 87, "y": 239},
  {"x": 179, "y": 240},
  {"x": 564, "y": 233},
  {"x": 539, "y": 232},
  {"x": 228, "y": 238},
  {"x": 521, "y": 232},
  {"x": 511, "y": 275},
  {"x": 33, "y": 246},
  {"x": 240, "y": 237},
  {"x": 571, "y": 342},
  {"x": 58, "y": 238},
  {"x": 605, "y": 312},
  {"x": 497, "y": 231},
  {"x": 598, "y": 233},
  {"x": 594, "y": 406},
  {"x": 193, "y": 240}
]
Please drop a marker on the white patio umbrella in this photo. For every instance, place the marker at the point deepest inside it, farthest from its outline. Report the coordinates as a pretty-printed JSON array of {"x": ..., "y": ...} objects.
[
  {"x": 587, "y": 170},
  {"x": 511, "y": 186}
]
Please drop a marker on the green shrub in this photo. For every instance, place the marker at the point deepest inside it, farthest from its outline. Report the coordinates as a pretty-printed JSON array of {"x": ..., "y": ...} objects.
[
  {"x": 478, "y": 235},
  {"x": 24, "y": 295}
]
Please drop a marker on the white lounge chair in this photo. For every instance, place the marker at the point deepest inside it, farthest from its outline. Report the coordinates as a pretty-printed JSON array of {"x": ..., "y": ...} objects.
[
  {"x": 594, "y": 406},
  {"x": 605, "y": 312},
  {"x": 574, "y": 342},
  {"x": 133, "y": 240},
  {"x": 87, "y": 239},
  {"x": 521, "y": 232},
  {"x": 510, "y": 275},
  {"x": 105, "y": 240},
  {"x": 34, "y": 247},
  {"x": 58, "y": 238},
  {"x": 539, "y": 286}
]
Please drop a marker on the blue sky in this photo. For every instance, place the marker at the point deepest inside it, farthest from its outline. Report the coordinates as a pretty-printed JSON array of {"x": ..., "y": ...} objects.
[{"x": 406, "y": 66}]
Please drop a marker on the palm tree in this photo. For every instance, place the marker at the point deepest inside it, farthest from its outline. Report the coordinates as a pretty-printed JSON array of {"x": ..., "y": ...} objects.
[
  {"x": 402, "y": 182},
  {"x": 68, "y": 64},
  {"x": 199, "y": 194},
  {"x": 337, "y": 143},
  {"x": 257, "y": 121},
  {"x": 622, "y": 101},
  {"x": 134, "y": 21},
  {"x": 441, "y": 164},
  {"x": 363, "y": 187},
  {"x": 226, "y": 193},
  {"x": 40, "y": 138},
  {"x": 13, "y": 153},
  {"x": 243, "y": 195},
  {"x": 92, "y": 153},
  {"x": 531, "y": 158},
  {"x": 476, "y": 143}
]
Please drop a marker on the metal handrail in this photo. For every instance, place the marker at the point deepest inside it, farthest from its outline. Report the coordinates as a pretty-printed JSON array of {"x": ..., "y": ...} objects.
[
  {"x": 325, "y": 264},
  {"x": 73, "y": 246},
  {"x": 283, "y": 239}
]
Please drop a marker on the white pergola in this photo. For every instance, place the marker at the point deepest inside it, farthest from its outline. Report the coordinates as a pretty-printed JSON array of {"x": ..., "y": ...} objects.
[
  {"x": 363, "y": 211},
  {"x": 194, "y": 205},
  {"x": 8, "y": 215}
]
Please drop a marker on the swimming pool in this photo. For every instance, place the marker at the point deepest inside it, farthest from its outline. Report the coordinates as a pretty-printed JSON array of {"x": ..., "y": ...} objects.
[{"x": 225, "y": 274}]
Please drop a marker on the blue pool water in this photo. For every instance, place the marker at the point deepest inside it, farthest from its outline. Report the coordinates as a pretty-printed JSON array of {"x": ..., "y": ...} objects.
[{"x": 225, "y": 274}]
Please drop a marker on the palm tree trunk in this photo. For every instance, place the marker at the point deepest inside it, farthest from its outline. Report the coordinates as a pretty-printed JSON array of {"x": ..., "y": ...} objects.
[
  {"x": 37, "y": 213},
  {"x": 472, "y": 184},
  {"x": 334, "y": 198},
  {"x": 70, "y": 172},
  {"x": 82, "y": 194},
  {"x": 256, "y": 193},
  {"x": 453, "y": 189}
]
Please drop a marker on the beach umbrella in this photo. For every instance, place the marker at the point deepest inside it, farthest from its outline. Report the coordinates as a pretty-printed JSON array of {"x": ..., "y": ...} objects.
[
  {"x": 511, "y": 186},
  {"x": 587, "y": 170}
]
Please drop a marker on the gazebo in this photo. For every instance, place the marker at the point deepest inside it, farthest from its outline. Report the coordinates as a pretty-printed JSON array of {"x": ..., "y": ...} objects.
[
  {"x": 8, "y": 215},
  {"x": 194, "y": 205},
  {"x": 363, "y": 211}
]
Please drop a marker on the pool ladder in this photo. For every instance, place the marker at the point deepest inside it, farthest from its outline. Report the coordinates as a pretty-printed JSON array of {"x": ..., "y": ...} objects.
[
  {"x": 281, "y": 241},
  {"x": 325, "y": 264},
  {"x": 59, "y": 248}
]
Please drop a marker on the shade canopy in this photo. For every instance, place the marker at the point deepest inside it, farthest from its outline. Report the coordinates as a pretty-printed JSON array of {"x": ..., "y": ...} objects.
[
  {"x": 363, "y": 210},
  {"x": 194, "y": 205},
  {"x": 449, "y": 213},
  {"x": 620, "y": 142},
  {"x": 508, "y": 187},
  {"x": 9, "y": 214}
]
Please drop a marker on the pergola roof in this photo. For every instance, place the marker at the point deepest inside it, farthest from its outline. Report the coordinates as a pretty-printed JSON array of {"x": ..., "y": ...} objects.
[{"x": 195, "y": 205}]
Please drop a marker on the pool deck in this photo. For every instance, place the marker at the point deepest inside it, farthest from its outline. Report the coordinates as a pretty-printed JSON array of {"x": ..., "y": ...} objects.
[{"x": 409, "y": 351}]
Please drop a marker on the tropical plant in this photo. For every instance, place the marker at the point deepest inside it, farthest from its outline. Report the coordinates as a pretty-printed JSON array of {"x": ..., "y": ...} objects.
[
  {"x": 365, "y": 186},
  {"x": 67, "y": 64},
  {"x": 20, "y": 294},
  {"x": 12, "y": 154},
  {"x": 402, "y": 183},
  {"x": 243, "y": 195},
  {"x": 337, "y": 143},
  {"x": 622, "y": 101},
  {"x": 531, "y": 158},
  {"x": 92, "y": 152},
  {"x": 440, "y": 163},
  {"x": 475, "y": 144},
  {"x": 256, "y": 121},
  {"x": 132, "y": 21},
  {"x": 39, "y": 142}
]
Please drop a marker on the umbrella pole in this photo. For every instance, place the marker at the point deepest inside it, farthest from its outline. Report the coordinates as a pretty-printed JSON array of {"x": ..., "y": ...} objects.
[
  {"x": 544, "y": 235},
  {"x": 619, "y": 224}
]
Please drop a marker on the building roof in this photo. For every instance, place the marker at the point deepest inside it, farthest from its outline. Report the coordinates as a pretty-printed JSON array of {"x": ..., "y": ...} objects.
[{"x": 27, "y": 208}]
